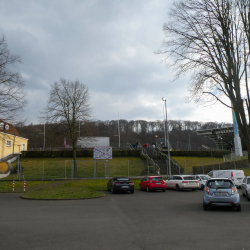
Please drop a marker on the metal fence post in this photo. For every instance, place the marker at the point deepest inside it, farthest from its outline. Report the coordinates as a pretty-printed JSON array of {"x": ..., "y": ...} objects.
[
  {"x": 185, "y": 167},
  {"x": 72, "y": 167},
  {"x": 128, "y": 168},
  {"x": 43, "y": 171},
  {"x": 65, "y": 169},
  {"x": 202, "y": 167}
]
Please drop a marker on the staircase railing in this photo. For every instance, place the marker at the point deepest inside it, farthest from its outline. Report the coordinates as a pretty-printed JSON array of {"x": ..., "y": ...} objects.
[
  {"x": 144, "y": 151},
  {"x": 174, "y": 165}
]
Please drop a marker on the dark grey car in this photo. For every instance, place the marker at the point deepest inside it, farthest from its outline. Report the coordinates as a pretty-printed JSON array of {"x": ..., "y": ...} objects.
[
  {"x": 221, "y": 192},
  {"x": 245, "y": 187},
  {"x": 120, "y": 184}
]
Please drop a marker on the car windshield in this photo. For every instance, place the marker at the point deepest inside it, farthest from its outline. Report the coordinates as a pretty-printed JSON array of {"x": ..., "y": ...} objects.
[
  {"x": 157, "y": 179},
  {"x": 223, "y": 184},
  {"x": 206, "y": 177},
  {"x": 188, "y": 178}
]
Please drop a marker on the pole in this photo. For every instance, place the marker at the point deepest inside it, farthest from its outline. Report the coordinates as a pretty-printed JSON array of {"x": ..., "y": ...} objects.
[
  {"x": 128, "y": 168},
  {"x": 165, "y": 127},
  {"x": 13, "y": 185},
  {"x": 167, "y": 138},
  {"x": 119, "y": 130},
  {"x": 24, "y": 183},
  {"x": 44, "y": 138}
]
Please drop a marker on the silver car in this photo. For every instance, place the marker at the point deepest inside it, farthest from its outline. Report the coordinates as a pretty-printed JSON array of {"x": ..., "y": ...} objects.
[
  {"x": 221, "y": 192},
  {"x": 202, "y": 179},
  {"x": 180, "y": 182},
  {"x": 245, "y": 187}
]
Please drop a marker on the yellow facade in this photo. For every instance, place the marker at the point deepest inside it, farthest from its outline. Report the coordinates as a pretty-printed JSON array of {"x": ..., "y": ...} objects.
[{"x": 11, "y": 144}]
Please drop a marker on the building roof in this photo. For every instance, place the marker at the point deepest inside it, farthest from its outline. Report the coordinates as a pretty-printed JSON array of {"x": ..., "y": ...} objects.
[
  {"x": 223, "y": 137},
  {"x": 8, "y": 128}
]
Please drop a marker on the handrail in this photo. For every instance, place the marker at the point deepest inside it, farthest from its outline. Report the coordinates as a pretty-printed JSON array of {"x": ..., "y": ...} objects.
[
  {"x": 173, "y": 163},
  {"x": 144, "y": 151}
]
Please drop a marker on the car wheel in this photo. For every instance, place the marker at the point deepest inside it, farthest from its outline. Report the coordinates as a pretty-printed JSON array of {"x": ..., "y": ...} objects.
[
  {"x": 238, "y": 208},
  {"x": 177, "y": 188},
  {"x": 140, "y": 188},
  {"x": 193, "y": 189},
  {"x": 205, "y": 207},
  {"x": 132, "y": 191},
  {"x": 112, "y": 190},
  {"x": 248, "y": 198},
  {"x": 163, "y": 190},
  {"x": 202, "y": 187},
  {"x": 148, "y": 190}
]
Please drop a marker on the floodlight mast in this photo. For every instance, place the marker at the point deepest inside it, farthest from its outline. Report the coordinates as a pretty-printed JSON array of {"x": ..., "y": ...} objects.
[{"x": 166, "y": 124}]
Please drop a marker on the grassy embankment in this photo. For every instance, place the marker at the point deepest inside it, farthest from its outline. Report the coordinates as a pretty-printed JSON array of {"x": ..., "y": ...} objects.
[
  {"x": 70, "y": 189},
  {"x": 50, "y": 168},
  {"x": 187, "y": 163}
]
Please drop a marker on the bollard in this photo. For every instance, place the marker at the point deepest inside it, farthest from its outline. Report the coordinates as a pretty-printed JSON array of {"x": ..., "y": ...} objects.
[
  {"x": 13, "y": 185},
  {"x": 24, "y": 183}
]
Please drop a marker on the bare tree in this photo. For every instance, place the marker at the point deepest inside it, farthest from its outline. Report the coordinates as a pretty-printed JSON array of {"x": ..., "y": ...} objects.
[
  {"x": 211, "y": 40},
  {"x": 68, "y": 104},
  {"x": 12, "y": 95}
]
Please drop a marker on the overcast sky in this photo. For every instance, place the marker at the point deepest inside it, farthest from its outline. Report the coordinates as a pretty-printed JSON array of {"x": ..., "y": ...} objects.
[{"x": 107, "y": 44}]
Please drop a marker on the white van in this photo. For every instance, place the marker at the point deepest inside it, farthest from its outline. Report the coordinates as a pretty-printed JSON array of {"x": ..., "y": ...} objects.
[{"x": 236, "y": 176}]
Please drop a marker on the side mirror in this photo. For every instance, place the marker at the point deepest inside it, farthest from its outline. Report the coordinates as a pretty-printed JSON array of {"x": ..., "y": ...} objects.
[{"x": 199, "y": 179}]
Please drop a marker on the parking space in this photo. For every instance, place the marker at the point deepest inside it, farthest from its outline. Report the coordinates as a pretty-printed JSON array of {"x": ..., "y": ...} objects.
[{"x": 155, "y": 220}]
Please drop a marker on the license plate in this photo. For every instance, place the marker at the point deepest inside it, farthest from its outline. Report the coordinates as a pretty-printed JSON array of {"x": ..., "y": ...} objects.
[
  {"x": 125, "y": 186},
  {"x": 157, "y": 183},
  {"x": 221, "y": 193},
  {"x": 191, "y": 182}
]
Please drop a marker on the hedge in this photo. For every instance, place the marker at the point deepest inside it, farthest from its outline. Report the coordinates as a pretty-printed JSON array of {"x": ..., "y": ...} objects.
[
  {"x": 200, "y": 153},
  {"x": 79, "y": 153}
]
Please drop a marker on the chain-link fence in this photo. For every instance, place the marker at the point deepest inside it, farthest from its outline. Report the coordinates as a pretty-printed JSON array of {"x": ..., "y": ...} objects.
[{"x": 64, "y": 169}]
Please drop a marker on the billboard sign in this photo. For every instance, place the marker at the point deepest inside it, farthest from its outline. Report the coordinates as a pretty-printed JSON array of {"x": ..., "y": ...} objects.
[{"x": 102, "y": 153}]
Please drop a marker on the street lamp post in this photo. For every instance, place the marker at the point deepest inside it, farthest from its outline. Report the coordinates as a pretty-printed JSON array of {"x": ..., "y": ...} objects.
[{"x": 166, "y": 124}]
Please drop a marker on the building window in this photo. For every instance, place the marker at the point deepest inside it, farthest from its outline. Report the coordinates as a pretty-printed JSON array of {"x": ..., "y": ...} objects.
[
  {"x": 8, "y": 144},
  {"x": 23, "y": 147}
]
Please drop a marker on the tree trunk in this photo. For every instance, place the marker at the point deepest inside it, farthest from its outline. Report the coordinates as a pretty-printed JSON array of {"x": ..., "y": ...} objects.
[
  {"x": 248, "y": 151},
  {"x": 74, "y": 159}
]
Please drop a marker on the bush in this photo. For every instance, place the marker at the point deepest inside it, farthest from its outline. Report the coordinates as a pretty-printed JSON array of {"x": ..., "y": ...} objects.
[{"x": 15, "y": 168}]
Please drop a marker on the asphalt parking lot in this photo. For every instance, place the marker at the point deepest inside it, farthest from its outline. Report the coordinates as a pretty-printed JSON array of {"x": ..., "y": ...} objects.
[{"x": 156, "y": 220}]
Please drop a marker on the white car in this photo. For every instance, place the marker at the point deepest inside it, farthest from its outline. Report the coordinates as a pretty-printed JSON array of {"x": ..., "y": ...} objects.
[
  {"x": 202, "y": 179},
  {"x": 180, "y": 182},
  {"x": 236, "y": 176}
]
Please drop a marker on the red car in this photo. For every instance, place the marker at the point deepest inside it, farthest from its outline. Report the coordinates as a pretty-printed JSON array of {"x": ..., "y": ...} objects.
[{"x": 150, "y": 183}]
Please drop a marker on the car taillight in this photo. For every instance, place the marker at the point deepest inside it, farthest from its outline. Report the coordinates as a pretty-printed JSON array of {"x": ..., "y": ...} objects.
[
  {"x": 184, "y": 181},
  {"x": 233, "y": 190},
  {"x": 232, "y": 176},
  {"x": 131, "y": 183},
  {"x": 196, "y": 181},
  {"x": 207, "y": 190},
  {"x": 117, "y": 183}
]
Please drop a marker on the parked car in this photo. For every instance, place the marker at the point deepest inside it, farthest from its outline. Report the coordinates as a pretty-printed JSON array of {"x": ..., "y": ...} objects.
[
  {"x": 236, "y": 176},
  {"x": 120, "y": 184},
  {"x": 150, "y": 183},
  {"x": 180, "y": 182},
  {"x": 245, "y": 187},
  {"x": 221, "y": 192},
  {"x": 202, "y": 179}
]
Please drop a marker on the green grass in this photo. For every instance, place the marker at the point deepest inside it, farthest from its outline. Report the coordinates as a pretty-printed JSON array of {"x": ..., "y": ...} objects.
[
  {"x": 71, "y": 189},
  {"x": 187, "y": 163},
  {"x": 60, "y": 167}
]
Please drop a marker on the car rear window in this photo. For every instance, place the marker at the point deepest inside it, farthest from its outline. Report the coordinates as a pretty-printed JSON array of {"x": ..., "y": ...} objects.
[
  {"x": 188, "y": 178},
  {"x": 220, "y": 184},
  {"x": 157, "y": 179},
  {"x": 123, "y": 179}
]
